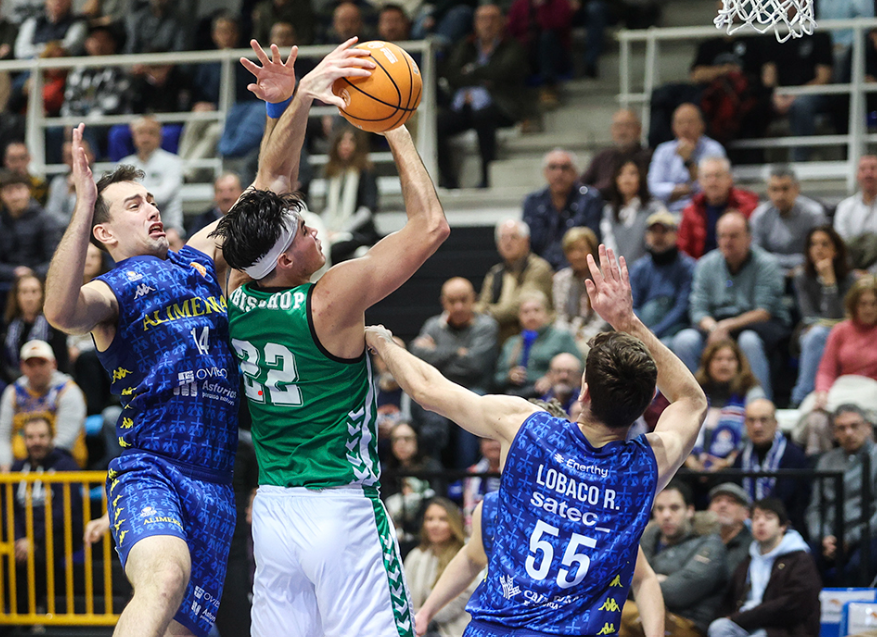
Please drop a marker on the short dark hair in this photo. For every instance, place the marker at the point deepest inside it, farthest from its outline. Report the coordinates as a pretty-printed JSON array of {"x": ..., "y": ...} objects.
[
  {"x": 775, "y": 506},
  {"x": 850, "y": 408},
  {"x": 253, "y": 225},
  {"x": 9, "y": 178},
  {"x": 122, "y": 173},
  {"x": 621, "y": 377},
  {"x": 39, "y": 417},
  {"x": 683, "y": 489},
  {"x": 390, "y": 6}
]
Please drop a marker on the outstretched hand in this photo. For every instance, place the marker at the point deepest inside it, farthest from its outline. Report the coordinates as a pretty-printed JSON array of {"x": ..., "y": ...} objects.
[
  {"x": 609, "y": 289},
  {"x": 275, "y": 79},
  {"x": 344, "y": 61},
  {"x": 83, "y": 180}
]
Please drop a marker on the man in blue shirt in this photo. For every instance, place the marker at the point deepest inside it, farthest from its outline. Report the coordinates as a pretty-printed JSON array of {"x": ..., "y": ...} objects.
[
  {"x": 661, "y": 280},
  {"x": 673, "y": 171},
  {"x": 564, "y": 203}
]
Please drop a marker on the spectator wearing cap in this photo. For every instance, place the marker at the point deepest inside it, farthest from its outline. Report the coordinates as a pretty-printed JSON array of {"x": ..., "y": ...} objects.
[
  {"x": 774, "y": 591},
  {"x": 28, "y": 235},
  {"x": 781, "y": 226},
  {"x": 563, "y": 203},
  {"x": 766, "y": 449},
  {"x": 731, "y": 505},
  {"x": 661, "y": 280},
  {"x": 42, "y": 390}
]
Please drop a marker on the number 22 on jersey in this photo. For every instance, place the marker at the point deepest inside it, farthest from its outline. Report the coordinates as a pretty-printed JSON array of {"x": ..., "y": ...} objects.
[{"x": 281, "y": 377}]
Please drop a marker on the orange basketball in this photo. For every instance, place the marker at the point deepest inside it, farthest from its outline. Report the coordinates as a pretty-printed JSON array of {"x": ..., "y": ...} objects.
[{"x": 387, "y": 98}]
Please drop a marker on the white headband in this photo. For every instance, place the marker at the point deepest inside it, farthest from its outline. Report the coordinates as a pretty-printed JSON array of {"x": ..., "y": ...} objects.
[{"x": 268, "y": 261}]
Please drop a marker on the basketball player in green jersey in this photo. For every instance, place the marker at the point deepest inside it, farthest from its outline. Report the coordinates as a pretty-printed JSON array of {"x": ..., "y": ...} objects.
[{"x": 327, "y": 562}]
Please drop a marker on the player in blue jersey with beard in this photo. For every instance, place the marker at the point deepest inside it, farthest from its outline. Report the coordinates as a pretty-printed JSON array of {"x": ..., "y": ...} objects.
[
  {"x": 160, "y": 324},
  {"x": 574, "y": 497}
]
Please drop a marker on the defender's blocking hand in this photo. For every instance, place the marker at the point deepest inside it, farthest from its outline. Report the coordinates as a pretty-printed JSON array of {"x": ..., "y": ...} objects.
[
  {"x": 275, "y": 79},
  {"x": 344, "y": 61}
]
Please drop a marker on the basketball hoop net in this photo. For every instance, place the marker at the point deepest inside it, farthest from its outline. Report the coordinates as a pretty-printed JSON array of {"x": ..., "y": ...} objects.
[{"x": 763, "y": 15}]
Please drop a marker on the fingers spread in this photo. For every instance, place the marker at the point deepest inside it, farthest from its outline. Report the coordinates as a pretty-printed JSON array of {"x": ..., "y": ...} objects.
[
  {"x": 260, "y": 53},
  {"x": 596, "y": 275},
  {"x": 251, "y": 66}
]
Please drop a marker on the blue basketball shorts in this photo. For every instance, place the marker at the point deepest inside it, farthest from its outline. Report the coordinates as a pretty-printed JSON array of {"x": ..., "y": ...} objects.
[
  {"x": 478, "y": 628},
  {"x": 149, "y": 495}
]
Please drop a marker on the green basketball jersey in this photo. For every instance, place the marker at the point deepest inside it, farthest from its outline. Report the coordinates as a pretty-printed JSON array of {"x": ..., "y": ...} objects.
[{"x": 313, "y": 413}]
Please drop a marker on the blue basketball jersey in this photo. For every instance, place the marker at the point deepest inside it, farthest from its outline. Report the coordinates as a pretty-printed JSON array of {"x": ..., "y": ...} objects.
[
  {"x": 569, "y": 520},
  {"x": 488, "y": 521},
  {"x": 170, "y": 361}
]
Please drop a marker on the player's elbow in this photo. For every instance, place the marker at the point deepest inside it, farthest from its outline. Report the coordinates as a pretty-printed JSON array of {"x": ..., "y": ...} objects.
[
  {"x": 56, "y": 316},
  {"x": 439, "y": 230}
]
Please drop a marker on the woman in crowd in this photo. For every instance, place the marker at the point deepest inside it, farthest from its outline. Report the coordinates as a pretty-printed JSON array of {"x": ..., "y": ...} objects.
[
  {"x": 624, "y": 215},
  {"x": 405, "y": 496},
  {"x": 572, "y": 305},
  {"x": 441, "y": 538},
  {"x": 729, "y": 385},
  {"x": 351, "y": 195},
  {"x": 25, "y": 322},
  {"x": 525, "y": 358},
  {"x": 820, "y": 287},
  {"x": 848, "y": 370}
]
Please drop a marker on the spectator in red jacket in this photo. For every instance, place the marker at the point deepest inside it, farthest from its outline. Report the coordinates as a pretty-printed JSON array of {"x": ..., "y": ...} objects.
[
  {"x": 543, "y": 29},
  {"x": 697, "y": 231}
]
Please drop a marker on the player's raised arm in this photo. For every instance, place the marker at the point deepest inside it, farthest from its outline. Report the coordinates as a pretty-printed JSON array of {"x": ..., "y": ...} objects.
[
  {"x": 677, "y": 429},
  {"x": 496, "y": 417},
  {"x": 354, "y": 286},
  {"x": 287, "y": 116},
  {"x": 460, "y": 572},
  {"x": 647, "y": 594},
  {"x": 71, "y": 306}
]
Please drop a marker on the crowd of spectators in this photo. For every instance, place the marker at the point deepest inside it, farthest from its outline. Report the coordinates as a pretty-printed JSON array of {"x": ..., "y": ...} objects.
[{"x": 748, "y": 294}]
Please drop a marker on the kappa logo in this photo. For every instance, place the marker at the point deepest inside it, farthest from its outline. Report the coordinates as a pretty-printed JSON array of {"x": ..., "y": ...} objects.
[
  {"x": 133, "y": 276},
  {"x": 200, "y": 268},
  {"x": 509, "y": 589},
  {"x": 608, "y": 629},
  {"x": 120, "y": 373},
  {"x": 142, "y": 290},
  {"x": 616, "y": 582},
  {"x": 610, "y": 605}
]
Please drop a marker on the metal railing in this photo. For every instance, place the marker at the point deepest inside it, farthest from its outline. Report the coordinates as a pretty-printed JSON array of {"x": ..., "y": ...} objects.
[
  {"x": 855, "y": 141},
  {"x": 69, "y": 589},
  {"x": 37, "y": 122}
]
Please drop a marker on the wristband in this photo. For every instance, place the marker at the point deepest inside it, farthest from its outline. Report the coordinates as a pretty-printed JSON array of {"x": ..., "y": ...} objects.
[{"x": 276, "y": 110}]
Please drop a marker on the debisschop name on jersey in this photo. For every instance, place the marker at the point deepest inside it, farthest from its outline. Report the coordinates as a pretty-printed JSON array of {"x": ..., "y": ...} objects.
[{"x": 280, "y": 301}]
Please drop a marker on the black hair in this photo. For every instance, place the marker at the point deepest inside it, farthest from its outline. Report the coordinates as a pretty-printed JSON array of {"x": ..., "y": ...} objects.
[
  {"x": 775, "y": 506},
  {"x": 683, "y": 489},
  {"x": 253, "y": 225},
  {"x": 122, "y": 173}
]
